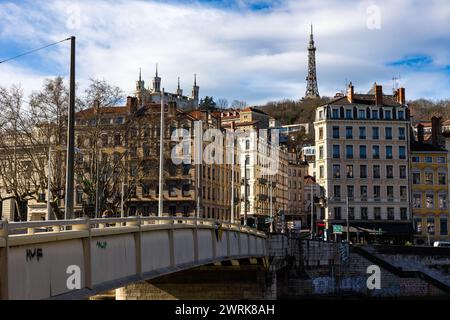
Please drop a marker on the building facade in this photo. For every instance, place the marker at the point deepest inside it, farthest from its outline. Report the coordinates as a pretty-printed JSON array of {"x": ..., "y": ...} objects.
[
  {"x": 430, "y": 189},
  {"x": 362, "y": 145}
]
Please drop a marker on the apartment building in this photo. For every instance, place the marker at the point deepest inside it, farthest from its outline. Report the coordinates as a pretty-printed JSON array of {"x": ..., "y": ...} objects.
[
  {"x": 362, "y": 146},
  {"x": 128, "y": 143},
  {"x": 429, "y": 182}
]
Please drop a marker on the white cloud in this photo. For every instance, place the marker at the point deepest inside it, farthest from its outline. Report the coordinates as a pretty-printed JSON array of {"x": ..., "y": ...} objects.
[{"x": 250, "y": 55}]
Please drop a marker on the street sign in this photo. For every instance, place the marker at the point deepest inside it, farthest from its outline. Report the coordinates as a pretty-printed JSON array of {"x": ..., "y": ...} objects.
[{"x": 338, "y": 229}]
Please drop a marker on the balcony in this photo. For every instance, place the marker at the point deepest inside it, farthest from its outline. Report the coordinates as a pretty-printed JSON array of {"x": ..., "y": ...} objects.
[{"x": 263, "y": 197}]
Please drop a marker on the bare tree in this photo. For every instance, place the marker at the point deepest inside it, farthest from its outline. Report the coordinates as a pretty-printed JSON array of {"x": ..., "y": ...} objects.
[
  {"x": 238, "y": 104},
  {"x": 222, "y": 103}
]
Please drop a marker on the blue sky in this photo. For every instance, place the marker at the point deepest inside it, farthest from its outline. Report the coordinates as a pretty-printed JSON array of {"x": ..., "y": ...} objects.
[{"x": 241, "y": 49}]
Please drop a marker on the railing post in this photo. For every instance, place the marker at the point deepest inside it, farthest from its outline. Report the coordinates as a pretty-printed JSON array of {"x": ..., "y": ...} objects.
[
  {"x": 4, "y": 279},
  {"x": 138, "y": 243},
  {"x": 85, "y": 225},
  {"x": 195, "y": 234}
]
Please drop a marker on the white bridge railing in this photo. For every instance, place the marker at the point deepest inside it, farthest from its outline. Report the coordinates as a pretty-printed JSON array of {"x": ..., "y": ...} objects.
[
  {"x": 36, "y": 258},
  {"x": 52, "y": 226}
]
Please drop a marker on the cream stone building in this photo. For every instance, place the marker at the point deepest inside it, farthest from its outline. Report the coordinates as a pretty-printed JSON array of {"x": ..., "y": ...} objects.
[{"x": 362, "y": 148}]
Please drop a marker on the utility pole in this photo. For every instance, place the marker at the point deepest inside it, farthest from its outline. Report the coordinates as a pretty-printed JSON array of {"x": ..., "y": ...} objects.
[
  {"x": 198, "y": 162},
  {"x": 49, "y": 179},
  {"x": 312, "y": 210},
  {"x": 161, "y": 159},
  {"x": 68, "y": 212},
  {"x": 271, "y": 202},
  {"x": 245, "y": 192},
  {"x": 122, "y": 212},
  {"x": 232, "y": 173}
]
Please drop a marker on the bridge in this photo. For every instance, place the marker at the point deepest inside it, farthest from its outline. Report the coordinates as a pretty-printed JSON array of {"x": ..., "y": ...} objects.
[{"x": 41, "y": 260}]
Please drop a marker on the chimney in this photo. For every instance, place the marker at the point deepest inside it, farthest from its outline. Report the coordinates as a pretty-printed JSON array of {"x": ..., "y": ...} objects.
[
  {"x": 350, "y": 93},
  {"x": 132, "y": 103},
  {"x": 436, "y": 131},
  {"x": 378, "y": 95},
  {"x": 401, "y": 96},
  {"x": 420, "y": 133}
]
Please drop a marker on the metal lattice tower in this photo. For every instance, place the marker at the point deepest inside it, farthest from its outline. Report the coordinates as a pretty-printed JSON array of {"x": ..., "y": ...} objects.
[{"x": 312, "y": 90}]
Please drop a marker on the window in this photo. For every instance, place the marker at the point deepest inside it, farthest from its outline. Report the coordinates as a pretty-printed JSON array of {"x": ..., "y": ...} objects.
[
  {"x": 417, "y": 200},
  {"x": 350, "y": 172},
  {"x": 416, "y": 177},
  {"x": 362, "y": 133},
  {"x": 335, "y": 114},
  {"x": 416, "y": 159},
  {"x": 429, "y": 177},
  {"x": 388, "y": 114},
  {"x": 377, "y": 193},
  {"x": 377, "y": 213},
  {"x": 119, "y": 120},
  {"x": 401, "y": 115},
  {"x": 351, "y": 213},
  {"x": 320, "y": 114},
  {"x": 442, "y": 201},
  {"x": 375, "y": 133},
  {"x": 441, "y": 160},
  {"x": 362, "y": 152},
  {"x": 388, "y": 133},
  {"x": 389, "y": 152},
  {"x": 363, "y": 190},
  {"x": 390, "y": 193},
  {"x": 363, "y": 171},
  {"x": 404, "y": 213},
  {"x": 321, "y": 172},
  {"x": 429, "y": 159},
  {"x": 376, "y": 152},
  {"x": 336, "y": 152},
  {"x": 172, "y": 191},
  {"x": 336, "y": 171},
  {"x": 389, "y": 172},
  {"x": 418, "y": 225},
  {"x": 429, "y": 201},
  {"x": 247, "y": 145},
  {"x": 349, "y": 152},
  {"x": 320, "y": 133},
  {"x": 348, "y": 114},
  {"x": 375, "y": 114},
  {"x": 390, "y": 213},
  {"x": 186, "y": 190},
  {"x": 430, "y": 225},
  {"x": 402, "y": 172},
  {"x": 401, "y": 134},
  {"x": 337, "y": 213},
  {"x": 364, "y": 215},
  {"x": 361, "y": 114},
  {"x": 349, "y": 132},
  {"x": 442, "y": 178},
  {"x": 402, "y": 152},
  {"x": 376, "y": 172},
  {"x": 335, "y": 132},
  {"x": 337, "y": 193},
  {"x": 444, "y": 227},
  {"x": 321, "y": 153},
  {"x": 145, "y": 189},
  {"x": 79, "y": 196},
  {"x": 351, "y": 192},
  {"x": 403, "y": 193},
  {"x": 186, "y": 169}
]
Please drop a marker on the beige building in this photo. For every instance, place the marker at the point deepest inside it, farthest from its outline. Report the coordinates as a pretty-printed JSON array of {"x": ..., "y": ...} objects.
[
  {"x": 131, "y": 135},
  {"x": 362, "y": 147}
]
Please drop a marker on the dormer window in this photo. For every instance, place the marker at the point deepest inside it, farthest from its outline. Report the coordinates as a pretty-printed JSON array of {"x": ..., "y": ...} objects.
[
  {"x": 335, "y": 113},
  {"x": 348, "y": 114},
  {"x": 388, "y": 114}
]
